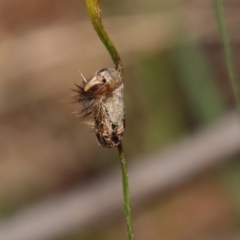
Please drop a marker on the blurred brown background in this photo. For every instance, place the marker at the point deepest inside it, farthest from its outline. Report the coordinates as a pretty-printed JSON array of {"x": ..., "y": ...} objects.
[{"x": 176, "y": 85}]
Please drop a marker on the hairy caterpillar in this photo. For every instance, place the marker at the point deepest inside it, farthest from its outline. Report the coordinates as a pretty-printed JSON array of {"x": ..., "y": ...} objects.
[{"x": 101, "y": 99}]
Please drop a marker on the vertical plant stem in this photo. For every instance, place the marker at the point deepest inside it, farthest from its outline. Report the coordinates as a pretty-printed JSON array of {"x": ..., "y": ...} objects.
[
  {"x": 228, "y": 52},
  {"x": 126, "y": 195},
  {"x": 94, "y": 13}
]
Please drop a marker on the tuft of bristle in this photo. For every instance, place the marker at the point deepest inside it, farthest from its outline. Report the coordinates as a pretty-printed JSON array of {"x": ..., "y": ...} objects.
[
  {"x": 87, "y": 102},
  {"x": 84, "y": 79}
]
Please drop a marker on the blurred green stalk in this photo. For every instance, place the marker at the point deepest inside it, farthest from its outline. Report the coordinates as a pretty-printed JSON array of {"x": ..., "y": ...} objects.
[
  {"x": 94, "y": 13},
  {"x": 126, "y": 195},
  {"x": 228, "y": 52}
]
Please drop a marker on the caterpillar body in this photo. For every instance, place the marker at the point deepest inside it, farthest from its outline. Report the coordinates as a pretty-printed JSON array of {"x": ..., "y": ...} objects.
[{"x": 102, "y": 105}]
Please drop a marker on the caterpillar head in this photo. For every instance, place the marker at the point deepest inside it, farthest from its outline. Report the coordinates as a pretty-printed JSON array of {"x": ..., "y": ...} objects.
[{"x": 104, "y": 80}]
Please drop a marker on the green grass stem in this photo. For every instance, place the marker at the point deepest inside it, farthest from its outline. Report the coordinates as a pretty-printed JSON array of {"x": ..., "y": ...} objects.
[
  {"x": 228, "y": 52},
  {"x": 94, "y": 13},
  {"x": 126, "y": 195}
]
